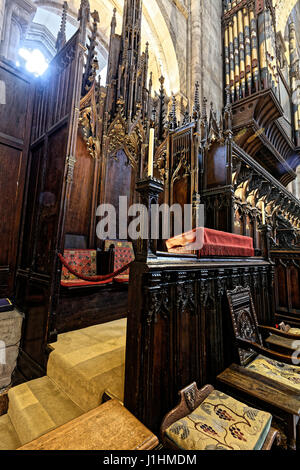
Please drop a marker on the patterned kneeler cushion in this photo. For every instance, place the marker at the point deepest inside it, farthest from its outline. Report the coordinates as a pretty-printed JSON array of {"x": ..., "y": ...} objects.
[
  {"x": 221, "y": 423},
  {"x": 283, "y": 373},
  {"x": 83, "y": 261}
]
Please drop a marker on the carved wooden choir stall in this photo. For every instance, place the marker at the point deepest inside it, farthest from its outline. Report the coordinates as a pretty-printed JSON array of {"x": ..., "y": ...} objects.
[{"x": 88, "y": 145}]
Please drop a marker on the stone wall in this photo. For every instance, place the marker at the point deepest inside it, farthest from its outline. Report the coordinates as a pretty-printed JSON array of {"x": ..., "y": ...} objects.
[
  {"x": 2, "y": 7},
  {"x": 195, "y": 29},
  {"x": 206, "y": 49},
  {"x": 176, "y": 16},
  {"x": 18, "y": 15},
  {"x": 212, "y": 52}
]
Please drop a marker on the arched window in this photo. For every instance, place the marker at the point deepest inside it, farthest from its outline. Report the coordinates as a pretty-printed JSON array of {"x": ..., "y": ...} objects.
[{"x": 33, "y": 60}]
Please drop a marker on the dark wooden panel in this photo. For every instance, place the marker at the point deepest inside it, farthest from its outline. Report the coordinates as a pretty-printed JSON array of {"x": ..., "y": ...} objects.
[
  {"x": 216, "y": 167},
  {"x": 34, "y": 182},
  {"x": 294, "y": 274},
  {"x": 119, "y": 174},
  {"x": 49, "y": 200},
  {"x": 35, "y": 325},
  {"x": 287, "y": 285},
  {"x": 118, "y": 178},
  {"x": 15, "y": 121},
  {"x": 78, "y": 221},
  {"x": 179, "y": 326},
  {"x": 281, "y": 286},
  {"x": 10, "y": 161},
  {"x": 82, "y": 307},
  {"x": 4, "y": 279},
  {"x": 52, "y": 160},
  {"x": 17, "y": 102}
]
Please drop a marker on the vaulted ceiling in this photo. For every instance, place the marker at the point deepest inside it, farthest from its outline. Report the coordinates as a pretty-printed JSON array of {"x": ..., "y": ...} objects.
[
  {"x": 163, "y": 58},
  {"x": 283, "y": 10}
]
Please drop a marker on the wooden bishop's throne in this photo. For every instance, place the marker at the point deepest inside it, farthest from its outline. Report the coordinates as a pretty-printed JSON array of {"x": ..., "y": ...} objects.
[{"x": 263, "y": 376}]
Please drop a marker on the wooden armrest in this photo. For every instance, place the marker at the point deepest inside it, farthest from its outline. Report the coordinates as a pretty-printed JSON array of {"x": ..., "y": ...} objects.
[
  {"x": 190, "y": 398},
  {"x": 246, "y": 382},
  {"x": 277, "y": 332},
  {"x": 272, "y": 436},
  {"x": 246, "y": 344}
]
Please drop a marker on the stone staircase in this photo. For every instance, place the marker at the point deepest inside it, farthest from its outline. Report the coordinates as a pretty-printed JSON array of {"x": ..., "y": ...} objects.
[
  {"x": 83, "y": 365},
  {"x": 9, "y": 439}
]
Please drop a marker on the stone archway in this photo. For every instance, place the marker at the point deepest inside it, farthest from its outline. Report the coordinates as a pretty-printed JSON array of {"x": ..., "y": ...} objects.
[{"x": 283, "y": 11}]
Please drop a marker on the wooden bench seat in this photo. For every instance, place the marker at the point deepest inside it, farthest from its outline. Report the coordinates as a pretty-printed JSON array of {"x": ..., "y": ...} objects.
[
  {"x": 82, "y": 303},
  {"x": 108, "y": 427}
]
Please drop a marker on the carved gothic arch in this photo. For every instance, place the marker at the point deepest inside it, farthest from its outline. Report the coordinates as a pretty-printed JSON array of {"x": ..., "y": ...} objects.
[{"x": 117, "y": 139}]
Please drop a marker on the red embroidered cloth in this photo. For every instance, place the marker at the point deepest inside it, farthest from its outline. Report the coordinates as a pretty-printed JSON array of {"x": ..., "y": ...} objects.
[
  {"x": 209, "y": 242},
  {"x": 83, "y": 263}
]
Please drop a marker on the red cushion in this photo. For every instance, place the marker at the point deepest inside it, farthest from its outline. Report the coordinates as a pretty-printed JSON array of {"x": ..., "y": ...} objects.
[
  {"x": 82, "y": 261},
  {"x": 211, "y": 243}
]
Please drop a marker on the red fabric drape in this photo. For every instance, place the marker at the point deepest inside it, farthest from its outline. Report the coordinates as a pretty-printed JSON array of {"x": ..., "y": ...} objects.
[
  {"x": 93, "y": 279},
  {"x": 212, "y": 243}
]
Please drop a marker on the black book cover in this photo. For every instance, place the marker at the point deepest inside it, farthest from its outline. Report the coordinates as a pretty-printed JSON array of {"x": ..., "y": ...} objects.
[{"x": 6, "y": 305}]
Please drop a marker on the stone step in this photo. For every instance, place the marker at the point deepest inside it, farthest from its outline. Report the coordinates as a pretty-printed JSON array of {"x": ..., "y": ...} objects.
[
  {"x": 85, "y": 363},
  {"x": 8, "y": 437},
  {"x": 37, "y": 407}
]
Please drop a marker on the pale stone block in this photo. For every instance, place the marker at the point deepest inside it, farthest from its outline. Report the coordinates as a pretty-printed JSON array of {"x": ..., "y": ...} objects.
[
  {"x": 10, "y": 335},
  {"x": 6, "y": 370},
  {"x": 10, "y": 327}
]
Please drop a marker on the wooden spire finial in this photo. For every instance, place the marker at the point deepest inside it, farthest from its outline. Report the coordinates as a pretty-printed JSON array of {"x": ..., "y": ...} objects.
[
  {"x": 61, "y": 37},
  {"x": 204, "y": 110},
  {"x": 84, "y": 18},
  {"x": 173, "y": 113},
  {"x": 84, "y": 11},
  {"x": 113, "y": 24},
  {"x": 196, "y": 110},
  {"x": 92, "y": 62},
  {"x": 95, "y": 16},
  {"x": 228, "y": 110}
]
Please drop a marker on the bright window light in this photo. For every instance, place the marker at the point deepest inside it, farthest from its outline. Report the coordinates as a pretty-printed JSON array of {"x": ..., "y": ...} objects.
[{"x": 35, "y": 61}]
